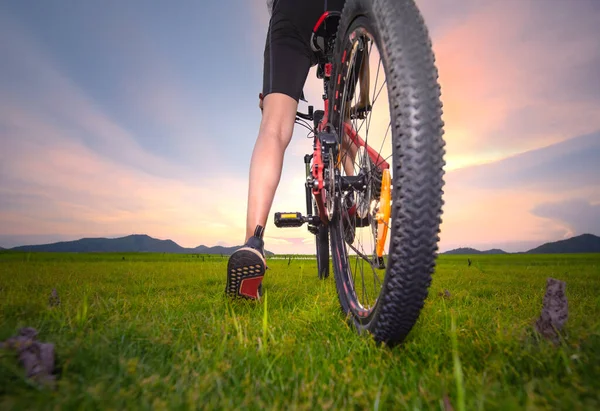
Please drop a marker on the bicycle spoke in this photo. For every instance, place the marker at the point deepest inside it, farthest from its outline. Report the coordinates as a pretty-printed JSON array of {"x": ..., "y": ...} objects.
[
  {"x": 364, "y": 289},
  {"x": 354, "y": 79},
  {"x": 376, "y": 78},
  {"x": 355, "y": 265},
  {"x": 364, "y": 285},
  {"x": 384, "y": 138},
  {"x": 370, "y": 111},
  {"x": 370, "y": 114},
  {"x": 384, "y": 160},
  {"x": 379, "y": 92},
  {"x": 376, "y": 277},
  {"x": 361, "y": 255}
]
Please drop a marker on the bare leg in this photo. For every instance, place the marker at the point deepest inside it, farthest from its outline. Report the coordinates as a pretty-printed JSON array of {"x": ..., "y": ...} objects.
[
  {"x": 275, "y": 133},
  {"x": 348, "y": 154}
]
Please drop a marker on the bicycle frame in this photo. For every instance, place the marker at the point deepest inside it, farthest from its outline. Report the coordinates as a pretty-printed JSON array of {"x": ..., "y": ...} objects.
[
  {"x": 315, "y": 183},
  {"x": 315, "y": 179}
]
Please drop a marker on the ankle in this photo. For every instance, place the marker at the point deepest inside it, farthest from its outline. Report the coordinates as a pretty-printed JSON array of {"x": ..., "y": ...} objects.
[{"x": 258, "y": 232}]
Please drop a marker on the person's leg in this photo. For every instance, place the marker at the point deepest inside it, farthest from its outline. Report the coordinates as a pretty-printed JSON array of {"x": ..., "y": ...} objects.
[
  {"x": 286, "y": 65},
  {"x": 275, "y": 133},
  {"x": 348, "y": 154}
]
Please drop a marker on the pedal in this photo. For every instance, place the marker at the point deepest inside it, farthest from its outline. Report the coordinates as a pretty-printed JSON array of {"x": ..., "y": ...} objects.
[{"x": 289, "y": 220}]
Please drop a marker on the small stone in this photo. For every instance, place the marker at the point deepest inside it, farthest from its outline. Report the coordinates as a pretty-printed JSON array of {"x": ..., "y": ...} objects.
[
  {"x": 54, "y": 299},
  {"x": 445, "y": 294},
  {"x": 37, "y": 358},
  {"x": 555, "y": 311}
]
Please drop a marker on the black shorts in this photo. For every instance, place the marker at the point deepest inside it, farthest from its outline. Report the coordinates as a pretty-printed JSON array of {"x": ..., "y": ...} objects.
[{"x": 288, "y": 55}]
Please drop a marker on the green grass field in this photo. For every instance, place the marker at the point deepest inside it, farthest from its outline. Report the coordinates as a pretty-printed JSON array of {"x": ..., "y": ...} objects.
[{"x": 142, "y": 331}]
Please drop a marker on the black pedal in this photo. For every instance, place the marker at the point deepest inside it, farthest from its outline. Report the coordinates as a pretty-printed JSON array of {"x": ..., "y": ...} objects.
[{"x": 289, "y": 220}]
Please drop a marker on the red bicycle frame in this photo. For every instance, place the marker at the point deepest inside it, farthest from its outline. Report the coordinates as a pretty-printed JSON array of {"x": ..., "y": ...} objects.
[{"x": 318, "y": 165}]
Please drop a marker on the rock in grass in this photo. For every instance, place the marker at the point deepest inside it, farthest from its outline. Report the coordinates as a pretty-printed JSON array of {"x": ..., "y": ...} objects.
[
  {"x": 445, "y": 294},
  {"x": 554, "y": 311},
  {"x": 36, "y": 357},
  {"x": 54, "y": 299}
]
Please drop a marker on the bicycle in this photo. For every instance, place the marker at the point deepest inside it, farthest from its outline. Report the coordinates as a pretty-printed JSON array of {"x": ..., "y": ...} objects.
[{"x": 357, "y": 201}]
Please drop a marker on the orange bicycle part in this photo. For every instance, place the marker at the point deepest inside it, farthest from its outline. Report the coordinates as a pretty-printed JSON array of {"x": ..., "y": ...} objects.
[{"x": 383, "y": 216}]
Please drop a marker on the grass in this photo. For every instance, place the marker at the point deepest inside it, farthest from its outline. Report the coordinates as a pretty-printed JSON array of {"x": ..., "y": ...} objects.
[{"x": 154, "y": 331}]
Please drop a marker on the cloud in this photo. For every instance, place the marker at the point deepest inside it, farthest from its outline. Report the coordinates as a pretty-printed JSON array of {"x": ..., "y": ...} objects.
[
  {"x": 68, "y": 169},
  {"x": 41, "y": 93},
  {"x": 579, "y": 215},
  {"x": 130, "y": 87},
  {"x": 567, "y": 165},
  {"x": 71, "y": 190},
  {"x": 498, "y": 204},
  {"x": 503, "y": 86}
]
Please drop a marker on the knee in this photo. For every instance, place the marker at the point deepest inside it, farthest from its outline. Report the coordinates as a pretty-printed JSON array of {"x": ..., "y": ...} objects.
[{"x": 276, "y": 130}]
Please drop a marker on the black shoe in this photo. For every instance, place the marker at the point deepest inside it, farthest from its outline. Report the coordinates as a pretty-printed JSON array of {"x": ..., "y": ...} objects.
[{"x": 246, "y": 268}]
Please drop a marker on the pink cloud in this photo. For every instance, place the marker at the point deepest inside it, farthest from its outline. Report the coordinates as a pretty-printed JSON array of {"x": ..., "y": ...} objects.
[
  {"x": 542, "y": 195},
  {"x": 83, "y": 192},
  {"x": 499, "y": 68},
  {"x": 72, "y": 190}
]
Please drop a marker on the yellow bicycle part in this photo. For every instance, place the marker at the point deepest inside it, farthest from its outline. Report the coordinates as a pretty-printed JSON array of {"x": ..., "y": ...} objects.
[{"x": 383, "y": 216}]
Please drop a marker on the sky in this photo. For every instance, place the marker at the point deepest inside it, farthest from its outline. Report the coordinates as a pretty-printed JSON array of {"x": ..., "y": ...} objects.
[{"x": 136, "y": 117}]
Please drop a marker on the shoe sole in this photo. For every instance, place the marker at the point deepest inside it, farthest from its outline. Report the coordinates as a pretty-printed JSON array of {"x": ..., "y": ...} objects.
[{"x": 245, "y": 271}]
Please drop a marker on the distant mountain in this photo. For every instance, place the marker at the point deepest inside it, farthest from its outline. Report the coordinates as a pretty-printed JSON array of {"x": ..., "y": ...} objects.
[
  {"x": 136, "y": 243},
  {"x": 467, "y": 250},
  {"x": 463, "y": 250},
  {"x": 130, "y": 243},
  {"x": 494, "y": 251},
  {"x": 585, "y": 243}
]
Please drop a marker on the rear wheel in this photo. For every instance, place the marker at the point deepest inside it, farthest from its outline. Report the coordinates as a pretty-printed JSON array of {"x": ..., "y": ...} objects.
[{"x": 382, "y": 278}]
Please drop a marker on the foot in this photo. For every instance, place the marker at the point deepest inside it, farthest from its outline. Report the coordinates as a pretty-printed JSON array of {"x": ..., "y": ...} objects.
[{"x": 246, "y": 268}]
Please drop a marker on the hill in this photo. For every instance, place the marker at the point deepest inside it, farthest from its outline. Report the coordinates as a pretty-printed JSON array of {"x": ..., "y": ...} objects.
[
  {"x": 136, "y": 243},
  {"x": 467, "y": 250},
  {"x": 130, "y": 243},
  {"x": 585, "y": 243}
]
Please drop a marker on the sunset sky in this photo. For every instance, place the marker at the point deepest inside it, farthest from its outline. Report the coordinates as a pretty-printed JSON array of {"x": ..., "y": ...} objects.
[{"x": 140, "y": 117}]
